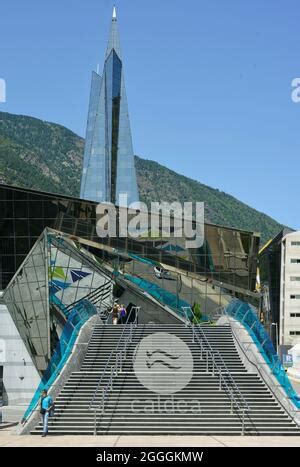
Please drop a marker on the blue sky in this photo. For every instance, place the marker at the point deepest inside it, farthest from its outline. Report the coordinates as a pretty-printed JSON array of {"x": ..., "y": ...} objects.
[{"x": 208, "y": 84}]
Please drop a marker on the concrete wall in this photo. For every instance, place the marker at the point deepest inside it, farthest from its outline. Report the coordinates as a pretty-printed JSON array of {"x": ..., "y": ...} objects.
[
  {"x": 290, "y": 286},
  {"x": 20, "y": 377}
]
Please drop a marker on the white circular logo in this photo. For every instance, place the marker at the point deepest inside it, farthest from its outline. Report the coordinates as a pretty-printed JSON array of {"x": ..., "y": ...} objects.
[{"x": 163, "y": 363}]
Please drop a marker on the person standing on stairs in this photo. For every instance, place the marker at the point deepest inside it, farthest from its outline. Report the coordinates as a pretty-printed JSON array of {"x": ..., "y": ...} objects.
[
  {"x": 115, "y": 313},
  {"x": 123, "y": 314},
  {"x": 46, "y": 407}
]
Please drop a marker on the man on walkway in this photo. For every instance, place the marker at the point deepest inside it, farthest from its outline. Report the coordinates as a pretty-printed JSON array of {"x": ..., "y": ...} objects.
[{"x": 46, "y": 406}]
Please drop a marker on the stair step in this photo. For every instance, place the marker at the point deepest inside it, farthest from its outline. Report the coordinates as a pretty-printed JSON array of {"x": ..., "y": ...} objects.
[{"x": 75, "y": 415}]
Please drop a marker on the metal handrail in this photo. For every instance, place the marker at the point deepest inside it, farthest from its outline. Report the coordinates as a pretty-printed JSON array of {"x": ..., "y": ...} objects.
[
  {"x": 239, "y": 403},
  {"x": 114, "y": 368},
  {"x": 113, "y": 351},
  {"x": 91, "y": 295},
  {"x": 292, "y": 411},
  {"x": 103, "y": 313},
  {"x": 114, "y": 371},
  {"x": 228, "y": 373}
]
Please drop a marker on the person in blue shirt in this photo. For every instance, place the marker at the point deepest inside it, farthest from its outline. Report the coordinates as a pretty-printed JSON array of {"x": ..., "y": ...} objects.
[
  {"x": 123, "y": 314},
  {"x": 46, "y": 406}
]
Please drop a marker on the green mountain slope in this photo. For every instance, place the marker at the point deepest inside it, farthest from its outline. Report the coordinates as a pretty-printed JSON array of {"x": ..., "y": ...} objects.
[
  {"x": 39, "y": 155},
  {"x": 46, "y": 156}
]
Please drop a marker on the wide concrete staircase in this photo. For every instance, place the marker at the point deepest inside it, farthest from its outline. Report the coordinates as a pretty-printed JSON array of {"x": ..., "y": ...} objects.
[{"x": 202, "y": 407}]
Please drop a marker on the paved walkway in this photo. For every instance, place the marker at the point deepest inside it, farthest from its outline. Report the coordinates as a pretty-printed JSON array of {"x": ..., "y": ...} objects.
[
  {"x": 13, "y": 413},
  {"x": 9, "y": 439}
]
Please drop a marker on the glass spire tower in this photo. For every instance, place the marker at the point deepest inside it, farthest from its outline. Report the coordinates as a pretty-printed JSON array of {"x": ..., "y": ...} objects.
[{"x": 108, "y": 165}]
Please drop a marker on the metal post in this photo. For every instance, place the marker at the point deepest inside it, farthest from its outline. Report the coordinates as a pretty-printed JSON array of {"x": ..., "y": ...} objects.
[
  {"x": 213, "y": 366},
  {"x": 103, "y": 398},
  {"x": 193, "y": 327},
  {"x": 231, "y": 397},
  {"x": 220, "y": 382},
  {"x": 186, "y": 320},
  {"x": 276, "y": 335},
  {"x": 243, "y": 422},
  {"x": 111, "y": 378},
  {"x": 136, "y": 316},
  {"x": 95, "y": 422},
  {"x": 177, "y": 291},
  {"x": 207, "y": 367}
]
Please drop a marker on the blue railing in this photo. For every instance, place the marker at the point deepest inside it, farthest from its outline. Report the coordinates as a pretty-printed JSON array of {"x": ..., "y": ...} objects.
[
  {"x": 244, "y": 313},
  {"x": 81, "y": 312},
  {"x": 144, "y": 260},
  {"x": 162, "y": 295}
]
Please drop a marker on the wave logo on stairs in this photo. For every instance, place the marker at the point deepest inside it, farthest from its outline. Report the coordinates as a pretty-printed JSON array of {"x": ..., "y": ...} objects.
[{"x": 163, "y": 363}]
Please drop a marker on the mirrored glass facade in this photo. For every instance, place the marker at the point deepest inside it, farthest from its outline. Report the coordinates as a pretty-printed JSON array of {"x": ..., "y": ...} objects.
[
  {"x": 27, "y": 302},
  {"x": 228, "y": 257},
  {"x": 56, "y": 273},
  {"x": 51, "y": 258},
  {"x": 108, "y": 166}
]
